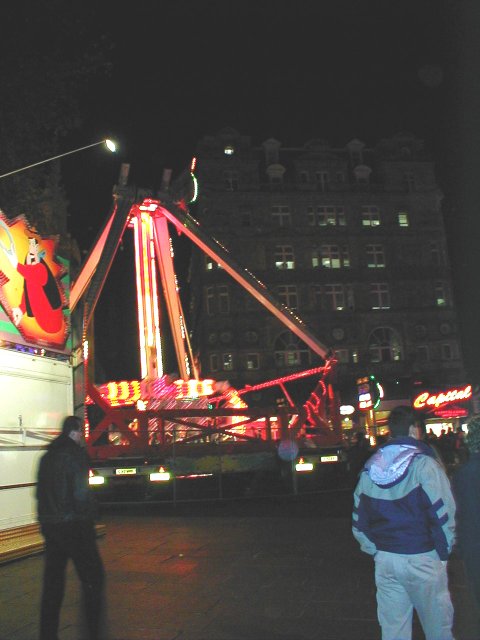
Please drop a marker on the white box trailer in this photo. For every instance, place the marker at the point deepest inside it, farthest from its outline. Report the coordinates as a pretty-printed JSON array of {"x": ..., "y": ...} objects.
[{"x": 36, "y": 393}]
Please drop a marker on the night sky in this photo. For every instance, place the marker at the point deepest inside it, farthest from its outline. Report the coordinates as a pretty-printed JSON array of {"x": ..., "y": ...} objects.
[{"x": 294, "y": 71}]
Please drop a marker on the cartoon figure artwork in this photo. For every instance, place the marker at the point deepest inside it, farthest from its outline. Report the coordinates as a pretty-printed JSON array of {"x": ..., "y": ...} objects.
[{"x": 31, "y": 291}]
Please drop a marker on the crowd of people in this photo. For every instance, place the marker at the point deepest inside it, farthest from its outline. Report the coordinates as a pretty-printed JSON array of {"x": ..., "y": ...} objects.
[{"x": 412, "y": 508}]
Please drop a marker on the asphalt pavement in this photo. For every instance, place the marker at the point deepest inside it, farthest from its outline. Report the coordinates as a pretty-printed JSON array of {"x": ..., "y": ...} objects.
[{"x": 277, "y": 568}]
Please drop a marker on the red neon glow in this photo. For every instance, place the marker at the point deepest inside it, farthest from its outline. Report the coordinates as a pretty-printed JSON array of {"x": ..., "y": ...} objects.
[
  {"x": 426, "y": 400},
  {"x": 451, "y": 412},
  {"x": 279, "y": 381}
]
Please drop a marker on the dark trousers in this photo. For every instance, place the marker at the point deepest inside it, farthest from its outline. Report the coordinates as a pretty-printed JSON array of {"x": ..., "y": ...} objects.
[{"x": 75, "y": 540}]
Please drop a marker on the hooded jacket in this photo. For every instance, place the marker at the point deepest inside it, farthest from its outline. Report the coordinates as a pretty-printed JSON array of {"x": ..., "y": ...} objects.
[
  {"x": 62, "y": 489},
  {"x": 403, "y": 502}
]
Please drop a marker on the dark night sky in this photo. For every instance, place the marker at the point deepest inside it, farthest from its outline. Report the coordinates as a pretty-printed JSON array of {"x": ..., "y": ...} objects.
[{"x": 291, "y": 70}]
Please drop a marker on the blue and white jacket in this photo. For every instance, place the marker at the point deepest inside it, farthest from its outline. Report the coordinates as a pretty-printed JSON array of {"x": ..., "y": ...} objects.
[{"x": 403, "y": 502}]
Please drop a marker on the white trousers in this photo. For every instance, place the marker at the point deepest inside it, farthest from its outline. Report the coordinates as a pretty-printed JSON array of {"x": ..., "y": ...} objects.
[{"x": 407, "y": 582}]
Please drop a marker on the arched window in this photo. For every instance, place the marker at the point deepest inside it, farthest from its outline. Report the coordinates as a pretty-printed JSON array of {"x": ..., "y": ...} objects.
[
  {"x": 384, "y": 345},
  {"x": 290, "y": 351}
]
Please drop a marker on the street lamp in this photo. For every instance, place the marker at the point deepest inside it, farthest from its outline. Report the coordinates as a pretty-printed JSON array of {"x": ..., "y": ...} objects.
[{"x": 107, "y": 142}]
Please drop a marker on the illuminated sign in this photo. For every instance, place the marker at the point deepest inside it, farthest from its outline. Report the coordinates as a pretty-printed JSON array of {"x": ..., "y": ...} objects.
[
  {"x": 427, "y": 400},
  {"x": 32, "y": 288},
  {"x": 370, "y": 392},
  {"x": 346, "y": 410}
]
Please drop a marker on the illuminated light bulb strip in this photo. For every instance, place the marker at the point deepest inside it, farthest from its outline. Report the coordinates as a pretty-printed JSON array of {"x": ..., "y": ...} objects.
[
  {"x": 123, "y": 393},
  {"x": 146, "y": 284},
  {"x": 155, "y": 305},
  {"x": 289, "y": 378},
  {"x": 140, "y": 310},
  {"x": 85, "y": 414},
  {"x": 193, "y": 388},
  {"x": 195, "y": 187}
]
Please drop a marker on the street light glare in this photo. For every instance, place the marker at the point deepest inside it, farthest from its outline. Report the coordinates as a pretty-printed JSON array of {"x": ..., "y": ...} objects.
[{"x": 111, "y": 145}]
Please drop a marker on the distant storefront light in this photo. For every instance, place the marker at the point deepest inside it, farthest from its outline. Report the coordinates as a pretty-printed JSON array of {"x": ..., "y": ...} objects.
[{"x": 346, "y": 410}]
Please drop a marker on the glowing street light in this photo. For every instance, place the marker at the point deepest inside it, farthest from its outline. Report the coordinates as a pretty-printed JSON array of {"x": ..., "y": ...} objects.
[{"x": 110, "y": 144}]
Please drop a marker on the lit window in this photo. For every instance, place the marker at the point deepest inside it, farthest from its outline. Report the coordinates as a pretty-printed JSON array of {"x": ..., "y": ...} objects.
[
  {"x": 403, "y": 220},
  {"x": 281, "y": 215},
  {"x": 229, "y": 150},
  {"x": 380, "y": 295},
  {"x": 370, "y": 216},
  {"x": 326, "y": 216},
  {"x": 253, "y": 361},
  {"x": 284, "y": 257},
  {"x": 290, "y": 351},
  {"x": 227, "y": 361},
  {"x": 440, "y": 292},
  {"x": 335, "y": 297},
  {"x": 334, "y": 257},
  {"x": 287, "y": 295},
  {"x": 375, "y": 256},
  {"x": 210, "y": 264},
  {"x": 384, "y": 345}
]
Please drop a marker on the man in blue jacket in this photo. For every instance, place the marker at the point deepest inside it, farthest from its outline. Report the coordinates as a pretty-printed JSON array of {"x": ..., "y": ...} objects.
[{"x": 404, "y": 516}]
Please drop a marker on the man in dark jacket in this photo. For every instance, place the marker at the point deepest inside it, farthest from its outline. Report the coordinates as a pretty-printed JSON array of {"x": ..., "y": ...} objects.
[
  {"x": 466, "y": 487},
  {"x": 66, "y": 516},
  {"x": 404, "y": 516}
]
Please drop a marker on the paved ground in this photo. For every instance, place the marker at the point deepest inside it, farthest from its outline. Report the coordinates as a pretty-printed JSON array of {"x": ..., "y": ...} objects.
[{"x": 277, "y": 569}]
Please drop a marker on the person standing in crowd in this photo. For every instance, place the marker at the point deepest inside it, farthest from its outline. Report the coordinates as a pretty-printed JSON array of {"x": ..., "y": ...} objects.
[
  {"x": 466, "y": 488},
  {"x": 66, "y": 516},
  {"x": 359, "y": 452},
  {"x": 404, "y": 516}
]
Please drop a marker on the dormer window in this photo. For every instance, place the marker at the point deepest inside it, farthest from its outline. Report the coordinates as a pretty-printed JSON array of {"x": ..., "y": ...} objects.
[
  {"x": 362, "y": 174},
  {"x": 275, "y": 173},
  {"x": 272, "y": 149},
  {"x": 355, "y": 149}
]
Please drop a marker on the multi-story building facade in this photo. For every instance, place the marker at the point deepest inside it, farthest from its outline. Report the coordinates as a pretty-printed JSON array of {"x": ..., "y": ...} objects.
[{"x": 352, "y": 239}]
